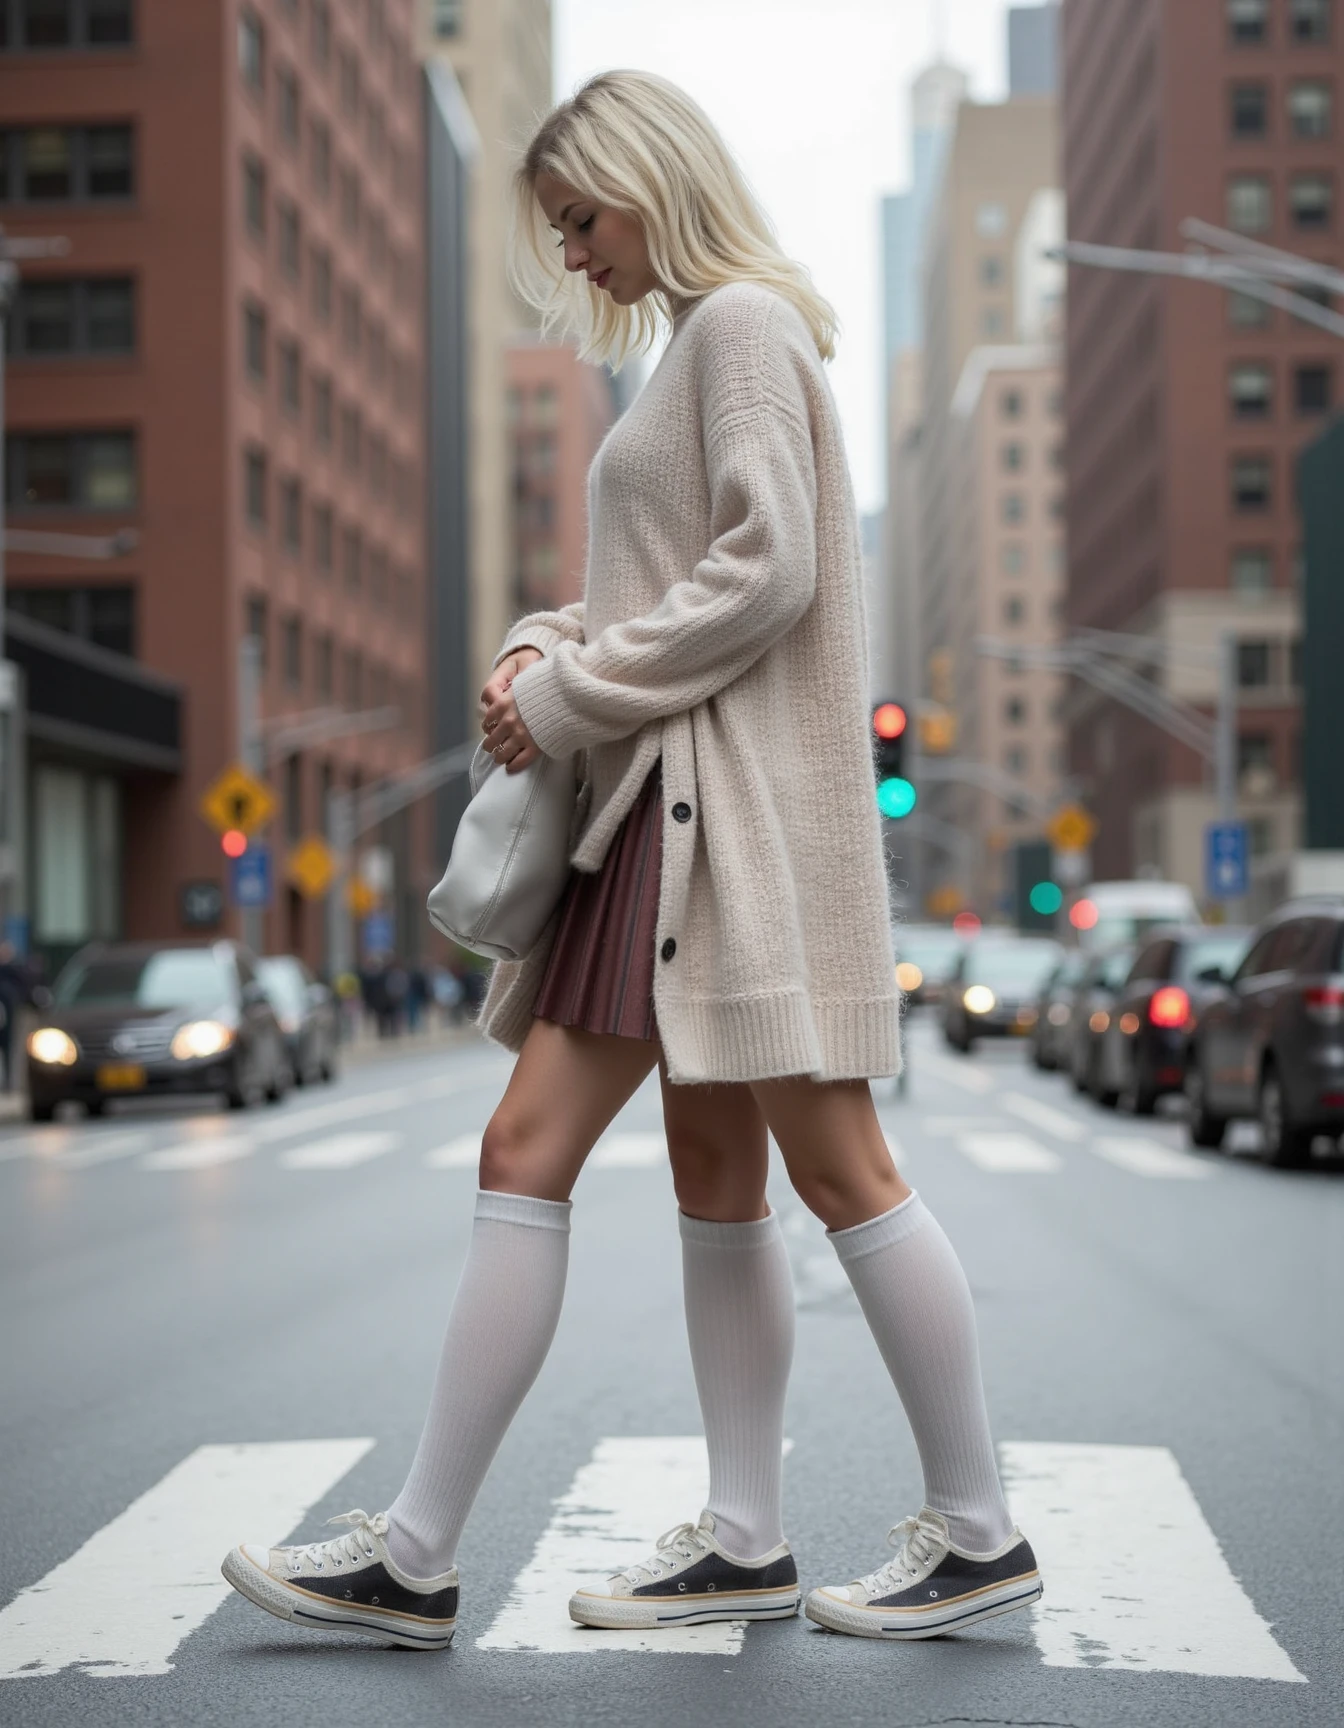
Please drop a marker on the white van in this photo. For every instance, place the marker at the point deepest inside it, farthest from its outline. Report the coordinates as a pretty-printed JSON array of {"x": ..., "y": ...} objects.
[{"x": 1127, "y": 911}]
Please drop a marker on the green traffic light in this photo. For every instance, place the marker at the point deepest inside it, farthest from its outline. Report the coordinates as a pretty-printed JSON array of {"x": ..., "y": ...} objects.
[
  {"x": 1046, "y": 898},
  {"x": 896, "y": 798}
]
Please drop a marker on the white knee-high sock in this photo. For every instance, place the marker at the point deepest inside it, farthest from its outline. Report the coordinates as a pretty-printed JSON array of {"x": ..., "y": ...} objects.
[
  {"x": 504, "y": 1317},
  {"x": 739, "y": 1319},
  {"x": 915, "y": 1298}
]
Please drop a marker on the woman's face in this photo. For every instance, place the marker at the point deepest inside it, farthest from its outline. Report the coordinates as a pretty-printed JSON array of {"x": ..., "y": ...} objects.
[{"x": 606, "y": 244}]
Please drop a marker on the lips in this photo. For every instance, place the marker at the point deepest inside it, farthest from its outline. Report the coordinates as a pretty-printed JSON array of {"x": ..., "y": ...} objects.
[{"x": 600, "y": 281}]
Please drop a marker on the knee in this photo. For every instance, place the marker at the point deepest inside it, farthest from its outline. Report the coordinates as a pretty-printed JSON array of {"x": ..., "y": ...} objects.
[
  {"x": 843, "y": 1196},
  {"x": 504, "y": 1161},
  {"x": 711, "y": 1184}
]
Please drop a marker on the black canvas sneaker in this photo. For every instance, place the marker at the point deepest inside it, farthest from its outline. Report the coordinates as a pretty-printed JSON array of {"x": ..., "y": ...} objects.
[
  {"x": 689, "y": 1581},
  {"x": 930, "y": 1587},
  {"x": 349, "y": 1584}
]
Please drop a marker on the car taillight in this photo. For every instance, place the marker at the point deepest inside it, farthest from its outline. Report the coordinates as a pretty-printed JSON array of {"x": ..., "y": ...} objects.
[
  {"x": 1324, "y": 1002},
  {"x": 1169, "y": 1007}
]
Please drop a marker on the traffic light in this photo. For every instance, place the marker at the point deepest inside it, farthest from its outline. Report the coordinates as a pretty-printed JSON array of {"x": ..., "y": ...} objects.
[
  {"x": 895, "y": 795},
  {"x": 233, "y": 842}
]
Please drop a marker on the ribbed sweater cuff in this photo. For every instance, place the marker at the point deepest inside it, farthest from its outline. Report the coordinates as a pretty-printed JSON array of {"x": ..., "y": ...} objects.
[
  {"x": 705, "y": 1233},
  {"x": 538, "y": 636},
  {"x": 881, "y": 1232},
  {"x": 523, "y": 1209},
  {"x": 541, "y": 703}
]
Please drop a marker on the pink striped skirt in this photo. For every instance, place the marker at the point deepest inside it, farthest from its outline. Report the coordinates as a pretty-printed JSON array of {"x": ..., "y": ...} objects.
[{"x": 599, "y": 976}]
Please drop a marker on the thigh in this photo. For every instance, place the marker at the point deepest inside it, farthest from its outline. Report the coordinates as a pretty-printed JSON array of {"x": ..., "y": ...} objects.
[
  {"x": 566, "y": 1087},
  {"x": 833, "y": 1147},
  {"x": 718, "y": 1146}
]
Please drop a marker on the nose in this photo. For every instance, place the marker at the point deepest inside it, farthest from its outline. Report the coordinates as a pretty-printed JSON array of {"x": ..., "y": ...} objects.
[{"x": 576, "y": 256}]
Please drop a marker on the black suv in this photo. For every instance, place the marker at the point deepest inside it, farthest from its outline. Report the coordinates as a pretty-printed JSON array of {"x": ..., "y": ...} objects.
[{"x": 1271, "y": 1044}]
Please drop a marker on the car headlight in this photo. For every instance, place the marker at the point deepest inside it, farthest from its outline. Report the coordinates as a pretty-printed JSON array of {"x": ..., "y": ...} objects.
[
  {"x": 909, "y": 976},
  {"x": 1058, "y": 1014},
  {"x": 288, "y": 1023},
  {"x": 1099, "y": 1021},
  {"x": 49, "y": 1044},
  {"x": 201, "y": 1038},
  {"x": 979, "y": 999}
]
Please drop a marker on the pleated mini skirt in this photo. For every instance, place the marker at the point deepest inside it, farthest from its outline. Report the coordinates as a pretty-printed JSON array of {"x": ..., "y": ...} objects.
[{"x": 599, "y": 976}]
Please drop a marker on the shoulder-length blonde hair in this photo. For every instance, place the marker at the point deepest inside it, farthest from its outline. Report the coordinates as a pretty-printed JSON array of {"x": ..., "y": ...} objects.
[{"x": 635, "y": 141}]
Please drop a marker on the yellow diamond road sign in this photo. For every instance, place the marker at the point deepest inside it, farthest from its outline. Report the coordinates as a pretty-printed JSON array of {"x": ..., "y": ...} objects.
[
  {"x": 238, "y": 800},
  {"x": 360, "y": 898},
  {"x": 312, "y": 866},
  {"x": 1071, "y": 829}
]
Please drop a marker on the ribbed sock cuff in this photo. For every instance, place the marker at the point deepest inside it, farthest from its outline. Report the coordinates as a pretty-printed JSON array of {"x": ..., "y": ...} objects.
[
  {"x": 881, "y": 1232},
  {"x": 523, "y": 1209},
  {"x": 705, "y": 1233}
]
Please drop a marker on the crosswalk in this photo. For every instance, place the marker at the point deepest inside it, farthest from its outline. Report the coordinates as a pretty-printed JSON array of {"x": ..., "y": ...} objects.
[{"x": 1135, "y": 1577}]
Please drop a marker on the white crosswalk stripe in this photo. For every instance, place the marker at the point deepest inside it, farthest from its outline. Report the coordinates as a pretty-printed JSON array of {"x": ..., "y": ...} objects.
[
  {"x": 629, "y": 1152},
  {"x": 339, "y": 1152},
  {"x": 82, "y": 1614},
  {"x": 1142, "y": 1157},
  {"x": 956, "y": 1124},
  {"x": 1055, "y": 1122},
  {"x": 1009, "y": 1154},
  {"x": 1134, "y": 1576},
  {"x": 461, "y": 1154},
  {"x": 200, "y": 1154}
]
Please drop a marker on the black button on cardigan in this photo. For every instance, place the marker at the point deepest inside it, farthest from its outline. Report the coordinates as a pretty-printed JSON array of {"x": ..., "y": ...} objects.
[
  {"x": 669, "y": 948},
  {"x": 681, "y": 812}
]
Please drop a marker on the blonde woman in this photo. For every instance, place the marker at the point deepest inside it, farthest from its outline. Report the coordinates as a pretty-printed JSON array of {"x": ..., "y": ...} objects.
[{"x": 726, "y": 921}]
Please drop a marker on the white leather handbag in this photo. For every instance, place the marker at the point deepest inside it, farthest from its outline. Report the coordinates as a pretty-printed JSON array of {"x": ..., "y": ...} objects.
[{"x": 510, "y": 858}]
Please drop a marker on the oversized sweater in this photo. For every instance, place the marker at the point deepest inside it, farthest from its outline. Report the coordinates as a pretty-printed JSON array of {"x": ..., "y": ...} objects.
[{"x": 722, "y": 628}]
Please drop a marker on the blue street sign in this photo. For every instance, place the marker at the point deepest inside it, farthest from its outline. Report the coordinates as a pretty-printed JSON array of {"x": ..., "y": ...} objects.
[
  {"x": 250, "y": 877},
  {"x": 378, "y": 933},
  {"x": 1226, "y": 861}
]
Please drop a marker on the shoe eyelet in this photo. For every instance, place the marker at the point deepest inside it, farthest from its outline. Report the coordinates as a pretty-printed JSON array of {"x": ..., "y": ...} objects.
[
  {"x": 709, "y": 1587},
  {"x": 681, "y": 1586},
  {"x": 374, "y": 1601}
]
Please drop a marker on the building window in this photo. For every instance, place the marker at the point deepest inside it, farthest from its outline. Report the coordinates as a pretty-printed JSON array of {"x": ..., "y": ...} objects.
[
  {"x": 1014, "y": 609},
  {"x": 289, "y": 239},
  {"x": 1310, "y": 109},
  {"x": 93, "y": 315},
  {"x": 1295, "y": 662},
  {"x": 447, "y": 17},
  {"x": 351, "y": 437},
  {"x": 1010, "y": 404},
  {"x": 43, "y": 26},
  {"x": 377, "y": 351},
  {"x": 322, "y": 538},
  {"x": 353, "y": 681},
  {"x": 322, "y": 411},
  {"x": 254, "y": 341},
  {"x": 287, "y": 87},
  {"x": 1312, "y": 389},
  {"x": 1248, "y": 21},
  {"x": 291, "y": 659},
  {"x": 1015, "y": 760},
  {"x": 1012, "y": 558},
  {"x": 1246, "y": 312},
  {"x": 1012, "y": 507},
  {"x": 1310, "y": 200},
  {"x": 376, "y": 232},
  {"x": 350, "y": 200},
  {"x": 66, "y": 164},
  {"x": 254, "y": 487},
  {"x": 378, "y": 465},
  {"x": 992, "y": 322},
  {"x": 1250, "y": 482},
  {"x": 322, "y": 284},
  {"x": 251, "y": 50},
  {"x": 1255, "y": 761},
  {"x": 1249, "y": 110},
  {"x": 1309, "y": 20},
  {"x": 1249, "y": 390},
  {"x": 991, "y": 221},
  {"x": 70, "y": 470},
  {"x": 1248, "y": 204},
  {"x": 256, "y": 626},
  {"x": 352, "y": 559},
  {"x": 254, "y": 197},
  {"x": 1252, "y": 573},
  {"x": 1013, "y": 458},
  {"x": 349, "y": 82},
  {"x": 322, "y": 658},
  {"x": 991, "y": 272},
  {"x": 351, "y": 319},
  {"x": 291, "y": 516},
  {"x": 319, "y": 157},
  {"x": 104, "y": 616},
  {"x": 1015, "y": 710},
  {"x": 1253, "y": 659},
  {"x": 319, "y": 33},
  {"x": 291, "y": 373},
  {"x": 378, "y": 575}
]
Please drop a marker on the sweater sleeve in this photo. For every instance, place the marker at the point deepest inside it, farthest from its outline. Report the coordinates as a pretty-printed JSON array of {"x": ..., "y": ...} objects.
[
  {"x": 756, "y": 579},
  {"x": 544, "y": 631}
]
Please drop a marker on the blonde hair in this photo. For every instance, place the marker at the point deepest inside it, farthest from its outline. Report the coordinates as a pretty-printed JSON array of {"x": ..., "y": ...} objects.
[{"x": 634, "y": 141}]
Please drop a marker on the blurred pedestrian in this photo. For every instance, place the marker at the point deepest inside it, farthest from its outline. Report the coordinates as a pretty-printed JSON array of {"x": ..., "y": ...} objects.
[
  {"x": 447, "y": 988},
  {"x": 15, "y": 991},
  {"x": 417, "y": 994},
  {"x": 726, "y": 922}
]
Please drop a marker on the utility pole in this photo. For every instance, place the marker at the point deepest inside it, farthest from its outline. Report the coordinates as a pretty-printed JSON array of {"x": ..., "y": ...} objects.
[{"x": 252, "y": 918}]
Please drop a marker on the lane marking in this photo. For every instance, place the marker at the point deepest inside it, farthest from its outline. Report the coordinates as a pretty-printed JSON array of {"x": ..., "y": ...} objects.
[
  {"x": 1009, "y": 1154},
  {"x": 955, "y": 1124},
  {"x": 291, "y": 1125},
  {"x": 1056, "y": 1122},
  {"x": 339, "y": 1152},
  {"x": 619, "y": 1501},
  {"x": 629, "y": 1152},
  {"x": 464, "y": 1153},
  {"x": 1134, "y": 1576},
  {"x": 969, "y": 1079},
  {"x": 100, "y": 1149},
  {"x": 121, "y": 1604},
  {"x": 40, "y": 1143},
  {"x": 1143, "y": 1157},
  {"x": 200, "y": 1154}
]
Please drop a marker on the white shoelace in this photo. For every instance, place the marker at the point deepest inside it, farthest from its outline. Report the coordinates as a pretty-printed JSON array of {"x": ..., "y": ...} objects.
[
  {"x": 916, "y": 1541},
  {"x": 337, "y": 1550},
  {"x": 681, "y": 1542}
]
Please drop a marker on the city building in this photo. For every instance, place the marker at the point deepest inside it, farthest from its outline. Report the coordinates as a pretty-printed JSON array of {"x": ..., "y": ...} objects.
[
  {"x": 1033, "y": 49},
  {"x": 1187, "y": 406},
  {"x": 228, "y": 364},
  {"x": 560, "y": 408}
]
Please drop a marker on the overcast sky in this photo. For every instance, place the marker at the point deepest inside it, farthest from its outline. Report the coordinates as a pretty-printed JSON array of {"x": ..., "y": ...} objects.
[{"x": 813, "y": 98}]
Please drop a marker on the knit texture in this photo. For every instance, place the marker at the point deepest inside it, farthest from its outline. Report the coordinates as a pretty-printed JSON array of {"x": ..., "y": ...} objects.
[{"x": 722, "y": 627}]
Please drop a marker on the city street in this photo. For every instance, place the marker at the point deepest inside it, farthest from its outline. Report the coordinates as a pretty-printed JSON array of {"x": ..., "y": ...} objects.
[{"x": 223, "y": 1328}]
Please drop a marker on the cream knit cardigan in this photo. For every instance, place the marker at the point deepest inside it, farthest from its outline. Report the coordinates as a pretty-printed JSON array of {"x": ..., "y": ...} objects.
[{"x": 722, "y": 628}]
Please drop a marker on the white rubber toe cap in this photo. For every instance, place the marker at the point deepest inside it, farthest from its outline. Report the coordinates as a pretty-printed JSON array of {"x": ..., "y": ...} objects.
[{"x": 258, "y": 1555}]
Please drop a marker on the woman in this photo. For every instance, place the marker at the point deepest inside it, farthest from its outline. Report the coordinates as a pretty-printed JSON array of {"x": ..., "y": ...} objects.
[{"x": 726, "y": 920}]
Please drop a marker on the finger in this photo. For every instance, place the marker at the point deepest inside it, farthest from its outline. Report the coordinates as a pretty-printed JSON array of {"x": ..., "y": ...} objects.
[
  {"x": 503, "y": 712},
  {"x": 524, "y": 759}
]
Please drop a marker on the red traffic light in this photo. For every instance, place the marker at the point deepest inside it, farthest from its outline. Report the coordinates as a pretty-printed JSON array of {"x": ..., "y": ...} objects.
[
  {"x": 889, "y": 720},
  {"x": 233, "y": 842}
]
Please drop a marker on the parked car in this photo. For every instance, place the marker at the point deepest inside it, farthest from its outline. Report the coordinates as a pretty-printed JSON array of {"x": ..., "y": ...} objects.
[
  {"x": 1144, "y": 1049},
  {"x": 1054, "y": 1011},
  {"x": 139, "y": 1019},
  {"x": 306, "y": 1012},
  {"x": 1129, "y": 911},
  {"x": 1090, "y": 1014},
  {"x": 992, "y": 993},
  {"x": 1271, "y": 1043},
  {"x": 926, "y": 956}
]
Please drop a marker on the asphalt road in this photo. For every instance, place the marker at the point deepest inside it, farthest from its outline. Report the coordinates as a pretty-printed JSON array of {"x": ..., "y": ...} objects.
[{"x": 222, "y": 1330}]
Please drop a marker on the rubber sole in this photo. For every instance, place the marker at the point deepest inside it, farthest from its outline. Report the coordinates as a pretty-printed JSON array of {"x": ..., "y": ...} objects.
[
  {"x": 647, "y": 1613},
  {"x": 303, "y": 1608},
  {"x": 952, "y": 1616}
]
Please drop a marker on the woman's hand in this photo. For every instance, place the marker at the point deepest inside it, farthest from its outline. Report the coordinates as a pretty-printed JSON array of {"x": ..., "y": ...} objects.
[{"x": 506, "y": 737}]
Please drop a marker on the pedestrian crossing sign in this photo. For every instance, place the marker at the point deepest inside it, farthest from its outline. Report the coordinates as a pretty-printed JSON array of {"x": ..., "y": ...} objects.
[
  {"x": 237, "y": 799},
  {"x": 312, "y": 864}
]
